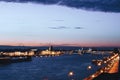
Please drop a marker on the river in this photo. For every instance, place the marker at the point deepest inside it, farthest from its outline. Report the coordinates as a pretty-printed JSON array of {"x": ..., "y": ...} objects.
[{"x": 51, "y": 68}]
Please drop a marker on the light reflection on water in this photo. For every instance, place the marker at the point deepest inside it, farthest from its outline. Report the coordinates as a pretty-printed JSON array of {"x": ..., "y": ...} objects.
[{"x": 50, "y": 68}]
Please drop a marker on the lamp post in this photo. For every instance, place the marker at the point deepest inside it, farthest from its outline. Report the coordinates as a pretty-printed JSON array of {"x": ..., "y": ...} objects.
[{"x": 119, "y": 60}]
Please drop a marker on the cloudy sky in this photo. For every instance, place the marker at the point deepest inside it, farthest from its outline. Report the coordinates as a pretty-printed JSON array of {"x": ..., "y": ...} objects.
[{"x": 43, "y": 23}]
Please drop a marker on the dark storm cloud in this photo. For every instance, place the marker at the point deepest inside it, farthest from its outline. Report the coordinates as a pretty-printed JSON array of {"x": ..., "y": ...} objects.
[
  {"x": 60, "y": 27},
  {"x": 95, "y": 5}
]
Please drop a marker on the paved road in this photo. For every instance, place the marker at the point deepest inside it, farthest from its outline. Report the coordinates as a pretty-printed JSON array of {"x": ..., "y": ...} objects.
[{"x": 115, "y": 67}]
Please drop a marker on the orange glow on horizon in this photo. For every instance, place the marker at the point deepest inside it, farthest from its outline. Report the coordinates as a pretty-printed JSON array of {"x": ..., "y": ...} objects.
[{"x": 85, "y": 44}]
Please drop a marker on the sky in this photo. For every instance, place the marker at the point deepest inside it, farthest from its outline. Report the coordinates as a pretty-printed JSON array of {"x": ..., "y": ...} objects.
[{"x": 32, "y": 24}]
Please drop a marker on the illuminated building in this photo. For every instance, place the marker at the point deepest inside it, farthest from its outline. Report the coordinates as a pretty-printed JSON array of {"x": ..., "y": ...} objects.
[{"x": 50, "y": 51}]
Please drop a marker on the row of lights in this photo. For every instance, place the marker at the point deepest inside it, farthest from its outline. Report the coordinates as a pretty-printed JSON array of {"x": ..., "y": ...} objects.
[{"x": 105, "y": 69}]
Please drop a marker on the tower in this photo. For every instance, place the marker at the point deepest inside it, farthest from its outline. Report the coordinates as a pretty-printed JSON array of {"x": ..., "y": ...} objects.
[{"x": 50, "y": 48}]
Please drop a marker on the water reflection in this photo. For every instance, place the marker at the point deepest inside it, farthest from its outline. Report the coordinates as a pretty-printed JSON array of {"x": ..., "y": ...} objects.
[{"x": 65, "y": 67}]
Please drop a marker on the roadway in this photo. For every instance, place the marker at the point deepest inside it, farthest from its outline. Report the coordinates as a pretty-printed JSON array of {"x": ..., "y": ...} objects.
[
  {"x": 114, "y": 68},
  {"x": 111, "y": 67}
]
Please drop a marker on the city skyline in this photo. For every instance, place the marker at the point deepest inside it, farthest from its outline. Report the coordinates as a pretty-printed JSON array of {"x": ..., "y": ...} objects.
[{"x": 32, "y": 24}]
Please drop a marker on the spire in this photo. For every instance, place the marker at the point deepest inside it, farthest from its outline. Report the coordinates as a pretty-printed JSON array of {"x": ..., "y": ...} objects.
[{"x": 51, "y": 48}]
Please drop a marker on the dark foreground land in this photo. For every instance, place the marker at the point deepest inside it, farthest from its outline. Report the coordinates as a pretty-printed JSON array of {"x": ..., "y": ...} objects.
[{"x": 108, "y": 76}]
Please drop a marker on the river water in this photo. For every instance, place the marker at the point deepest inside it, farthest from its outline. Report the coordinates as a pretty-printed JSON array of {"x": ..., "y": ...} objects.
[{"x": 51, "y": 68}]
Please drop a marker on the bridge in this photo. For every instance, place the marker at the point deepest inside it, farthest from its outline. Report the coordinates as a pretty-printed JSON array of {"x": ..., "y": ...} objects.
[{"x": 109, "y": 68}]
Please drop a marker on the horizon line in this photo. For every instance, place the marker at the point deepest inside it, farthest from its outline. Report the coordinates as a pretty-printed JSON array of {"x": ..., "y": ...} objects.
[{"x": 56, "y": 46}]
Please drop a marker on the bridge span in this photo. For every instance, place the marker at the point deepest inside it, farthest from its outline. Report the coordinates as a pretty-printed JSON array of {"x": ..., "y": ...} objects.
[{"x": 109, "y": 68}]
